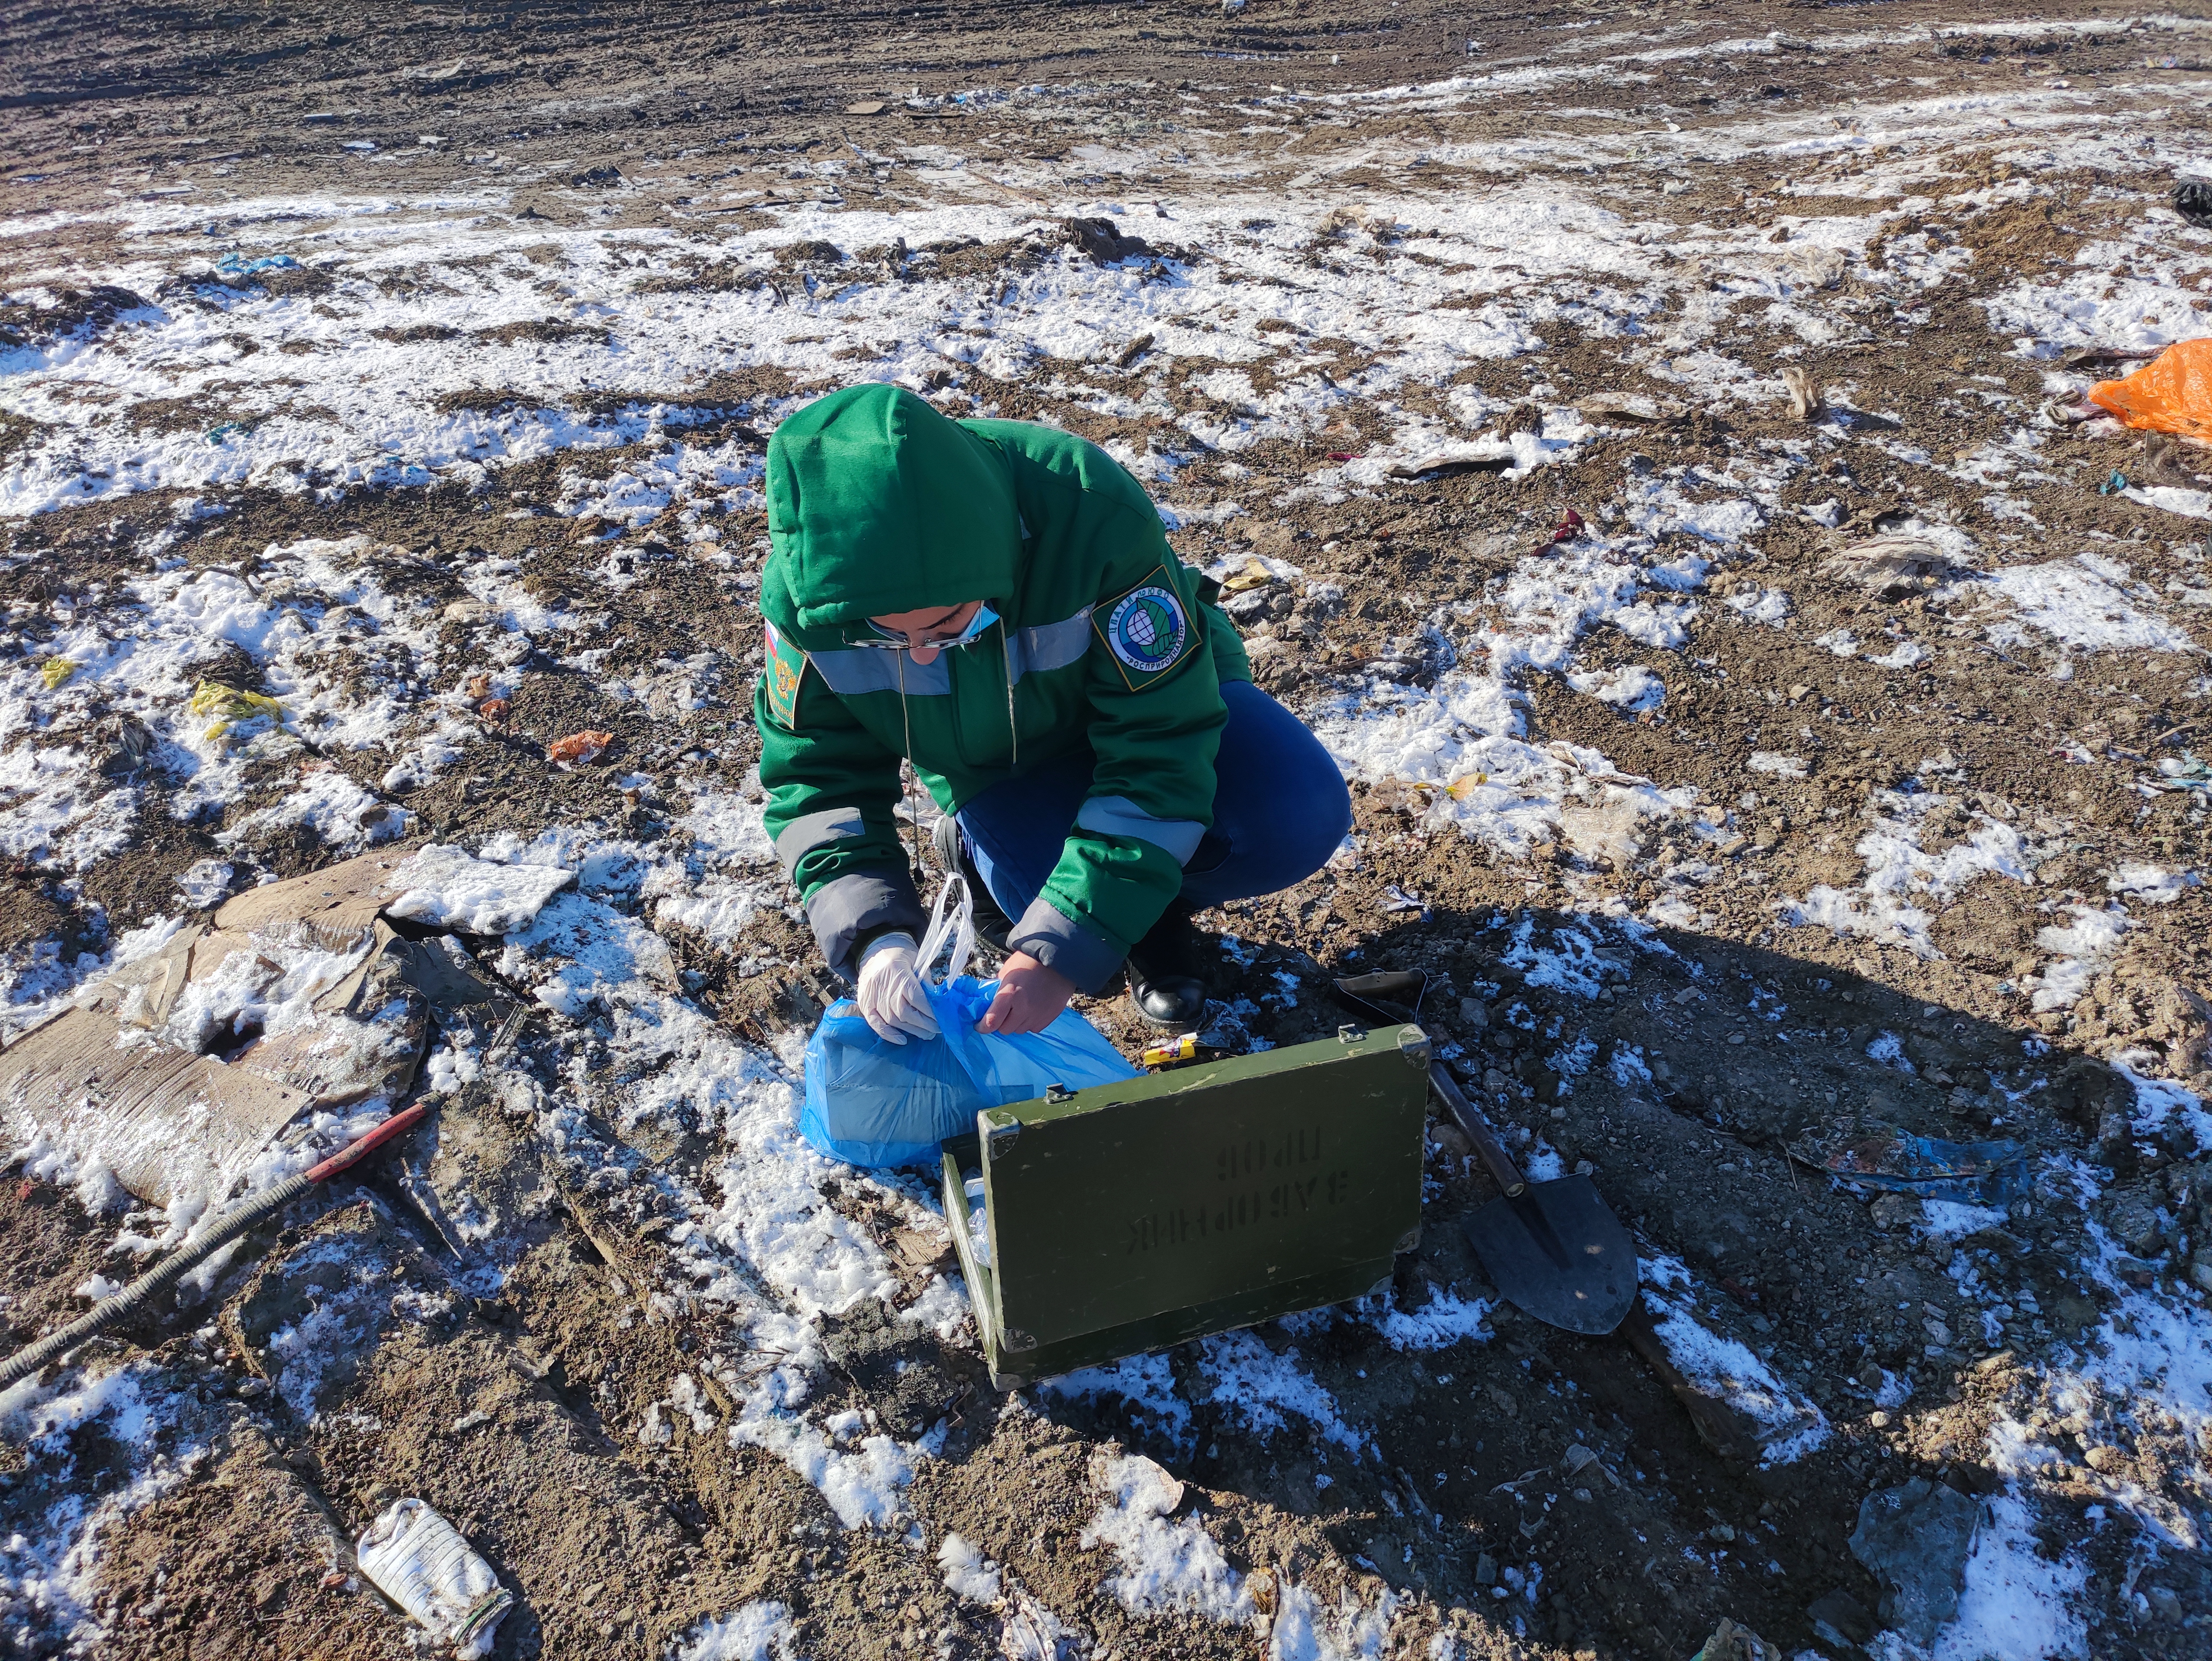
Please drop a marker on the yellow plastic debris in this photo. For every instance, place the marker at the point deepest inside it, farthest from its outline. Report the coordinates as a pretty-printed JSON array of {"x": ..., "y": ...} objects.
[
  {"x": 1170, "y": 1050},
  {"x": 54, "y": 672},
  {"x": 1464, "y": 789},
  {"x": 2171, "y": 393},
  {"x": 1254, "y": 575},
  {"x": 231, "y": 707}
]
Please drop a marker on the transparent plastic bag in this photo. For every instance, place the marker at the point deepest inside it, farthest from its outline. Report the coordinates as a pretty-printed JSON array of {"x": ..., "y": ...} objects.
[
  {"x": 420, "y": 1562},
  {"x": 874, "y": 1104}
]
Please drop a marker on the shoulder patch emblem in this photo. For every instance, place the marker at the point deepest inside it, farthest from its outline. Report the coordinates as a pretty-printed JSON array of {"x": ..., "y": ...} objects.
[
  {"x": 1147, "y": 630},
  {"x": 784, "y": 667}
]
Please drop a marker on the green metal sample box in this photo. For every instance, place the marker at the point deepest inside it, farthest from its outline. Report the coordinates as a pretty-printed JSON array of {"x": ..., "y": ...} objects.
[{"x": 1131, "y": 1216}]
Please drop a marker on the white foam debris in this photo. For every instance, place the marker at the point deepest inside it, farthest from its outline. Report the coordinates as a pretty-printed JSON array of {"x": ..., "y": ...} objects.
[
  {"x": 205, "y": 884},
  {"x": 1164, "y": 1564},
  {"x": 967, "y": 1573},
  {"x": 760, "y": 1630},
  {"x": 446, "y": 887}
]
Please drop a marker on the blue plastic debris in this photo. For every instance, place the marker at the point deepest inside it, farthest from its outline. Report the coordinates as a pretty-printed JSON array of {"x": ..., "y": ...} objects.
[
  {"x": 2117, "y": 485},
  {"x": 237, "y": 264},
  {"x": 2183, "y": 772},
  {"x": 1896, "y": 1161}
]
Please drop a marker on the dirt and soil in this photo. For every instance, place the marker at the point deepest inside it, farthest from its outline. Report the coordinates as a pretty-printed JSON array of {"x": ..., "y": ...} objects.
[{"x": 517, "y": 1416}]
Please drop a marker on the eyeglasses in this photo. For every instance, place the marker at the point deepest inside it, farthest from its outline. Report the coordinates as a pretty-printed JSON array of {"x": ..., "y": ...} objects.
[{"x": 887, "y": 642}]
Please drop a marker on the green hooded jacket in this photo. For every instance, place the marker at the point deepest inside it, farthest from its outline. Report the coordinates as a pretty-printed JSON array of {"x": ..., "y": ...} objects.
[{"x": 879, "y": 503}]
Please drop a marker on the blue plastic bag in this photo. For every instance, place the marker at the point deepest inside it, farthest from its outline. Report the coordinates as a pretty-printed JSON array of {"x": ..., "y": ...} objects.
[{"x": 872, "y": 1103}]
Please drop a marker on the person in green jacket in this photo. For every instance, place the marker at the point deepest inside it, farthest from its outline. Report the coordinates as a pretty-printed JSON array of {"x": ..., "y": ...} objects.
[{"x": 997, "y": 602}]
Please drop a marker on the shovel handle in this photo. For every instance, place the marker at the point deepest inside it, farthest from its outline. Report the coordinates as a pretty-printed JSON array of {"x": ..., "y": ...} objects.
[
  {"x": 1374, "y": 996},
  {"x": 1495, "y": 1159}
]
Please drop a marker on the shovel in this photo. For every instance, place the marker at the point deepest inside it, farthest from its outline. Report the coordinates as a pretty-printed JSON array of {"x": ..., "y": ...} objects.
[{"x": 1555, "y": 1249}]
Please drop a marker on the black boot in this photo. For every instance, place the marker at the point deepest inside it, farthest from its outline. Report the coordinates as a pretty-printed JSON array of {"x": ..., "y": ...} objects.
[
  {"x": 1165, "y": 974},
  {"x": 991, "y": 924}
]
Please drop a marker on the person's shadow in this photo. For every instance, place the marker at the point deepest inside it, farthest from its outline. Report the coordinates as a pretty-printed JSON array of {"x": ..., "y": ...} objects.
[{"x": 1804, "y": 1322}]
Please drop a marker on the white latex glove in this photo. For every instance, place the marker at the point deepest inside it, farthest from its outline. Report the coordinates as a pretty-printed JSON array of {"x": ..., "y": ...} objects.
[{"x": 890, "y": 993}]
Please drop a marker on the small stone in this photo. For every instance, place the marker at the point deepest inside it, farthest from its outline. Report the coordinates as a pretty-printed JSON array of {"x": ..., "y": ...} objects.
[
  {"x": 1485, "y": 1570},
  {"x": 1722, "y": 1532},
  {"x": 2163, "y": 1604},
  {"x": 1878, "y": 1419},
  {"x": 2105, "y": 1460},
  {"x": 1474, "y": 1014}
]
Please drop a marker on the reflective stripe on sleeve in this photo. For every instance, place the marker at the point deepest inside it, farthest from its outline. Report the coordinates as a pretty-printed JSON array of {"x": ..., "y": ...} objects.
[
  {"x": 1117, "y": 816},
  {"x": 813, "y": 830}
]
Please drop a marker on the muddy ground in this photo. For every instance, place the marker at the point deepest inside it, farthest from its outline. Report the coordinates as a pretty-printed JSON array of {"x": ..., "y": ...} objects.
[{"x": 1700, "y": 1023}]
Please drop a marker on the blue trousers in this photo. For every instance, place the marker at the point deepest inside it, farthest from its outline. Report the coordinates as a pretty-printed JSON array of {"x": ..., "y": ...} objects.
[{"x": 1279, "y": 810}]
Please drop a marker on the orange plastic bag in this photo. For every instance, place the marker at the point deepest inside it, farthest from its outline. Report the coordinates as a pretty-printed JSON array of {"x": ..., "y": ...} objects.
[{"x": 2171, "y": 393}]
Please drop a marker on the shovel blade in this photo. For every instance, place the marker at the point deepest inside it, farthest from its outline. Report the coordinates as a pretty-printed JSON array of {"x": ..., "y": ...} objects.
[{"x": 1559, "y": 1253}]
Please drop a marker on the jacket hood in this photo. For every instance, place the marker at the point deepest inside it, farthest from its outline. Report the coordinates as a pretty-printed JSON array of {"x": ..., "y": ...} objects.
[{"x": 878, "y": 502}]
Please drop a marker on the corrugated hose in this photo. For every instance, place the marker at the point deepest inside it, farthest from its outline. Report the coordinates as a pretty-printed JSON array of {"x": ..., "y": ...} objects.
[{"x": 254, "y": 1208}]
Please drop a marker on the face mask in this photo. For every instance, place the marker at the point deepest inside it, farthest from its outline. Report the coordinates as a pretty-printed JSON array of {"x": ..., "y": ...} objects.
[{"x": 984, "y": 617}]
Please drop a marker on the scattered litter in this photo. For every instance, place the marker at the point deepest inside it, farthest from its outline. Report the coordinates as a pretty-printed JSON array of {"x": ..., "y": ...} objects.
[
  {"x": 2192, "y": 200},
  {"x": 578, "y": 748},
  {"x": 867, "y": 107},
  {"x": 1883, "y": 1157},
  {"x": 1395, "y": 898},
  {"x": 2092, "y": 357},
  {"x": 1730, "y": 1642},
  {"x": 420, "y": 1562},
  {"x": 1568, "y": 527},
  {"x": 1135, "y": 350},
  {"x": 1893, "y": 567},
  {"x": 1915, "y": 1540},
  {"x": 2117, "y": 485},
  {"x": 237, "y": 264},
  {"x": 1804, "y": 392},
  {"x": 2172, "y": 394},
  {"x": 54, "y": 672},
  {"x": 1628, "y": 406},
  {"x": 1482, "y": 456},
  {"x": 233, "y": 709}
]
